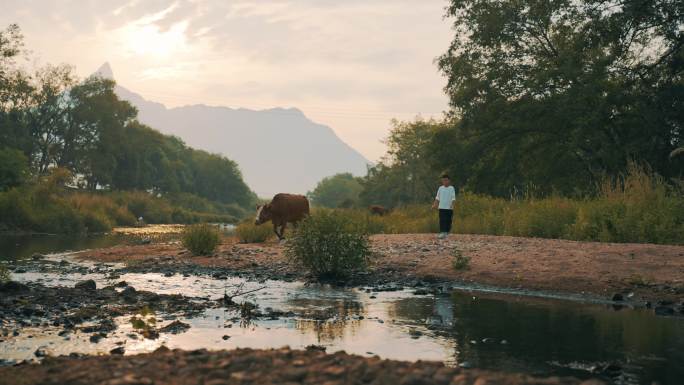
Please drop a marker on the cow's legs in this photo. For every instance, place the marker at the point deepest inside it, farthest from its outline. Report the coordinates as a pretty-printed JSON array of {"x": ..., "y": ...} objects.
[
  {"x": 275, "y": 230},
  {"x": 282, "y": 230}
]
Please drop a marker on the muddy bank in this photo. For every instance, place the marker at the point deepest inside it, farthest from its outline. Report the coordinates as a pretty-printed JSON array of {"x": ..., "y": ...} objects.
[
  {"x": 87, "y": 309},
  {"x": 247, "y": 366},
  {"x": 642, "y": 273}
]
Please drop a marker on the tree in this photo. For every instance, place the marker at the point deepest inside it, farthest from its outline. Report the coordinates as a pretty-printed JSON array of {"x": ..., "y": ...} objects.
[
  {"x": 409, "y": 171},
  {"x": 13, "y": 168},
  {"x": 557, "y": 94},
  {"x": 339, "y": 190}
]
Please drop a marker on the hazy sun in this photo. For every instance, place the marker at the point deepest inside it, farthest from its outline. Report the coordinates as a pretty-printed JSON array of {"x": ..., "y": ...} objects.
[{"x": 148, "y": 40}]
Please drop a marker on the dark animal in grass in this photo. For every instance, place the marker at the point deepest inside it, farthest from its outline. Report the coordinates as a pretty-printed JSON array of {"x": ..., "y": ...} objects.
[
  {"x": 378, "y": 210},
  {"x": 283, "y": 209}
]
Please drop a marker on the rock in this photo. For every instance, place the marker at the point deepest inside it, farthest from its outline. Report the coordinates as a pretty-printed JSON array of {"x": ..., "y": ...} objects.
[
  {"x": 175, "y": 327},
  {"x": 95, "y": 338},
  {"x": 88, "y": 284},
  {"x": 118, "y": 350},
  {"x": 618, "y": 297},
  {"x": 421, "y": 292},
  {"x": 664, "y": 310},
  {"x": 13, "y": 287},
  {"x": 465, "y": 365},
  {"x": 129, "y": 294},
  {"x": 37, "y": 257},
  {"x": 121, "y": 284},
  {"x": 225, "y": 337},
  {"x": 488, "y": 340},
  {"x": 315, "y": 348},
  {"x": 40, "y": 352}
]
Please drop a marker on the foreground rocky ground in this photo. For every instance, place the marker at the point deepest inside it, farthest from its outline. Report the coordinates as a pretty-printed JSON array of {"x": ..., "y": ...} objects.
[
  {"x": 263, "y": 367},
  {"x": 642, "y": 273}
]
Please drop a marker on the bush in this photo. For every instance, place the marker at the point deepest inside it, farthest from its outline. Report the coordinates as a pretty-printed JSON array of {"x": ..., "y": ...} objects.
[
  {"x": 248, "y": 232},
  {"x": 329, "y": 244},
  {"x": 201, "y": 239},
  {"x": 460, "y": 261}
]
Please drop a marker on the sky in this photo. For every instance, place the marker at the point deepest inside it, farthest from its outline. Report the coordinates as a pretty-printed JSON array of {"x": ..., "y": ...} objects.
[{"x": 352, "y": 65}]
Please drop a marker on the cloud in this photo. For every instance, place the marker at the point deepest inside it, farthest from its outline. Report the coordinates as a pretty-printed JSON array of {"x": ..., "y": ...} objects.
[{"x": 373, "y": 57}]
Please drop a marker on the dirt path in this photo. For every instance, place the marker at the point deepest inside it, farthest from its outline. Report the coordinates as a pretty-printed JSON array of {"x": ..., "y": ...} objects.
[
  {"x": 638, "y": 271},
  {"x": 263, "y": 367}
]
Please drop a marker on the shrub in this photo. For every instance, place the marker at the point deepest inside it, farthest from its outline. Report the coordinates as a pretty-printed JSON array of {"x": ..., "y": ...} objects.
[
  {"x": 329, "y": 244},
  {"x": 201, "y": 239},
  {"x": 248, "y": 232},
  {"x": 460, "y": 261}
]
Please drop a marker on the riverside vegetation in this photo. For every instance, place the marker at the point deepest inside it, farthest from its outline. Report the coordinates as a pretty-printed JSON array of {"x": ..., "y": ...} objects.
[
  {"x": 201, "y": 239},
  {"x": 74, "y": 157},
  {"x": 329, "y": 245},
  {"x": 638, "y": 206}
]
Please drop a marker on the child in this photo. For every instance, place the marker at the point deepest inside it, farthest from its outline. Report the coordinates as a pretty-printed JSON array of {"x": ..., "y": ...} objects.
[{"x": 446, "y": 195}]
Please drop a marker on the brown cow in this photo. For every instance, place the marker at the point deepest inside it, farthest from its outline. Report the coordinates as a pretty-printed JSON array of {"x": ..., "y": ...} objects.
[
  {"x": 283, "y": 209},
  {"x": 378, "y": 210}
]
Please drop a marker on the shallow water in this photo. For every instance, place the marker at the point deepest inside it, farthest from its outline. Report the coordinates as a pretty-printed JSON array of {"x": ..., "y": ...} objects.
[{"x": 485, "y": 330}]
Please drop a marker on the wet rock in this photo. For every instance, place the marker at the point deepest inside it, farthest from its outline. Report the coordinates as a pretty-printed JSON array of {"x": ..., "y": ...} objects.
[
  {"x": 37, "y": 257},
  {"x": 611, "y": 369},
  {"x": 415, "y": 334},
  {"x": 88, "y": 285},
  {"x": 664, "y": 310},
  {"x": 318, "y": 348},
  {"x": 421, "y": 292},
  {"x": 175, "y": 327},
  {"x": 465, "y": 365},
  {"x": 118, "y": 350},
  {"x": 13, "y": 287},
  {"x": 488, "y": 340},
  {"x": 40, "y": 352},
  {"x": 618, "y": 297},
  {"x": 95, "y": 338},
  {"x": 225, "y": 337},
  {"x": 129, "y": 294},
  {"x": 121, "y": 284}
]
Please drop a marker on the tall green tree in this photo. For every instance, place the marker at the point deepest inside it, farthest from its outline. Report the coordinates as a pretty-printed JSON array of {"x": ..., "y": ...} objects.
[
  {"x": 339, "y": 190},
  {"x": 555, "y": 94},
  {"x": 13, "y": 168},
  {"x": 408, "y": 173}
]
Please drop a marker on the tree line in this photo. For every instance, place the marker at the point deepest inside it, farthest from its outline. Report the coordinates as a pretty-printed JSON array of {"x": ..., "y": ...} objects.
[
  {"x": 49, "y": 119},
  {"x": 546, "y": 98}
]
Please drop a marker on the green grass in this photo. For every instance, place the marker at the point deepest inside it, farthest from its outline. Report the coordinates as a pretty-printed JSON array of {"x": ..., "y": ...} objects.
[
  {"x": 638, "y": 207},
  {"x": 46, "y": 206},
  {"x": 248, "y": 232}
]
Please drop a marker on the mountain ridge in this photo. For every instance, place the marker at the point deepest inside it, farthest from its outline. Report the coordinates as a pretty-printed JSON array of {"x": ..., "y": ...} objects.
[{"x": 277, "y": 149}]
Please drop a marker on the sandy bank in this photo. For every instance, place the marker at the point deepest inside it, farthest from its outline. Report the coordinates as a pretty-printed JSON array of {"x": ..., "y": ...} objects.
[{"x": 638, "y": 271}]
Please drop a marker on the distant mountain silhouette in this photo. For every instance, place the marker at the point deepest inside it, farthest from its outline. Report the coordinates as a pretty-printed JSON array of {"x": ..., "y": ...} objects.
[{"x": 278, "y": 150}]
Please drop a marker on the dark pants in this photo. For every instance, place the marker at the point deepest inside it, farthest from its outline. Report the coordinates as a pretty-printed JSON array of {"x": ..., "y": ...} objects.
[{"x": 445, "y": 216}]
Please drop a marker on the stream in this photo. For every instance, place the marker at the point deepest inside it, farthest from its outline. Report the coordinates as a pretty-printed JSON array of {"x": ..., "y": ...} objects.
[{"x": 460, "y": 327}]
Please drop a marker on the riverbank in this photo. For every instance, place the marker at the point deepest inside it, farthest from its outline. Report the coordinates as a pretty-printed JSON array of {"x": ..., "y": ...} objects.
[
  {"x": 639, "y": 273},
  {"x": 248, "y": 366}
]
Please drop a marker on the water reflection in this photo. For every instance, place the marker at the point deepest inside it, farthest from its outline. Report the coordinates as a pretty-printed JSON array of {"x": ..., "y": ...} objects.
[
  {"x": 552, "y": 337},
  {"x": 328, "y": 320}
]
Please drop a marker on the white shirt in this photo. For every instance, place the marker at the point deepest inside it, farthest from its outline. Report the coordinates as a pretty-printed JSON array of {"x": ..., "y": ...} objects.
[{"x": 446, "y": 196}]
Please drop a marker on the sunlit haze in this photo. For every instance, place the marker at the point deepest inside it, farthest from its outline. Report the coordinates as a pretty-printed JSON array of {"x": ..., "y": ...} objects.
[{"x": 351, "y": 65}]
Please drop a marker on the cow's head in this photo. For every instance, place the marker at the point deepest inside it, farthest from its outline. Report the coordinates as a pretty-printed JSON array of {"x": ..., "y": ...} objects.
[{"x": 263, "y": 214}]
